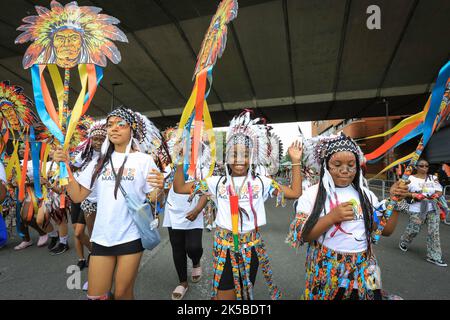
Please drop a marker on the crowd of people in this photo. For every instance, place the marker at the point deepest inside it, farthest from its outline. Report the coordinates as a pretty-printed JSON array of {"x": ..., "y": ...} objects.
[{"x": 337, "y": 217}]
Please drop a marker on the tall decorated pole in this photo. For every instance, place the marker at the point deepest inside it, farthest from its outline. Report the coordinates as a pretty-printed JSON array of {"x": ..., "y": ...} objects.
[
  {"x": 430, "y": 122},
  {"x": 196, "y": 110},
  {"x": 67, "y": 37}
]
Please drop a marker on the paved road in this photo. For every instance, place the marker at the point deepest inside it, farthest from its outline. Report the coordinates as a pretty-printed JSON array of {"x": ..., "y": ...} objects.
[{"x": 34, "y": 274}]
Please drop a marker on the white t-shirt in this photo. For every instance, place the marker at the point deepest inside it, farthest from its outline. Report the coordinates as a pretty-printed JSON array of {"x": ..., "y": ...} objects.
[
  {"x": 78, "y": 161},
  {"x": 113, "y": 224},
  {"x": 2, "y": 173},
  {"x": 427, "y": 187},
  {"x": 93, "y": 195},
  {"x": 261, "y": 192},
  {"x": 176, "y": 209},
  {"x": 342, "y": 242}
]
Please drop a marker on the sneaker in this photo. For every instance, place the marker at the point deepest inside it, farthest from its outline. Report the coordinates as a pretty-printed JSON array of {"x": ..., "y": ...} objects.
[
  {"x": 42, "y": 240},
  {"x": 85, "y": 286},
  {"x": 23, "y": 245},
  {"x": 209, "y": 227},
  {"x": 439, "y": 263},
  {"x": 61, "y": 248},
  {"x": 52, "y": 244},
  {"x": 82, "y": 264},
  {"x": 445, "y": 221},
  {"x": 403, "y": 246}
]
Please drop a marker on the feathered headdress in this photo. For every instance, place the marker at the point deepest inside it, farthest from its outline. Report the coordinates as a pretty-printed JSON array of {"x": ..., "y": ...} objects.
[
  {"x": 146, "y": 136},
  {"x": 97, "y": 31},
  {"x": 254, "y": 133},
  {"x": 98, "y": 128},
  {"x": 15, "y": 107},
  {"x": 318, "y": 149}
]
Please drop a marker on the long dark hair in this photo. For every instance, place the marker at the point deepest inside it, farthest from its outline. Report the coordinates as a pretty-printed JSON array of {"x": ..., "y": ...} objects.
[
  {"x": 321, "y": 198},
  {"x": 102, "y": 162}
]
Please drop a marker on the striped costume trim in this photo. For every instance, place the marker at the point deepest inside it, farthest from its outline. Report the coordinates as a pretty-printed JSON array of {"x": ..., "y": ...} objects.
[{"x": 240, "y": 262}]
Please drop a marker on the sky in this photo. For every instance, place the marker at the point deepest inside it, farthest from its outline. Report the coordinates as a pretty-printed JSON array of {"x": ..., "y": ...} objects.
[{"x": 288, "y": 132}]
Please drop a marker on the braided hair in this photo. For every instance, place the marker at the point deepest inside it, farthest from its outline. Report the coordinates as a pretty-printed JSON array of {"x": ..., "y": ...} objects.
[{"x": 366, "y": 205}]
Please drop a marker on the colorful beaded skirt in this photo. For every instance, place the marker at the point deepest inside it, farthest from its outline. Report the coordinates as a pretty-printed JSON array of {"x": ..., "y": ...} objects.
[
  {"x": 240, "y": 263},
  {"x": 328, "y": 270}
]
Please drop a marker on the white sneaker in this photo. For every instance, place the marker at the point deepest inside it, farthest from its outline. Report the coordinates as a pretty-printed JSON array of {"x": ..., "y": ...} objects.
[
  {"x": 209, "y": 227},
  {"x": 23, "y": 245},
  {"x": 85, "y": 286},
  {"x": 439, "y": 263},
  {"x": 42, "y": 240}
]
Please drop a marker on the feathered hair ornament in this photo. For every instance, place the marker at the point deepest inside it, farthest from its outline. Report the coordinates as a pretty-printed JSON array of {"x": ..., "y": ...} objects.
[
  {"x": 146, "y": 137},
  {"x": 255, "y": 134}
]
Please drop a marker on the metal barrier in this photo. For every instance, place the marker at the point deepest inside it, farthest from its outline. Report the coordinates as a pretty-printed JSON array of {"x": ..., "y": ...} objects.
[
  {"x": 444, "y": 192},
  {"x": 380, "y": 187}
]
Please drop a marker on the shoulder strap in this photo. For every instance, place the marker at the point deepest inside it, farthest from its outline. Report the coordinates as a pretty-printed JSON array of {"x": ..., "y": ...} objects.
[
  {"x": 217, "y": 185},
  {"x": 115, "y": 176},
  {"x": 262, "y": 183}
]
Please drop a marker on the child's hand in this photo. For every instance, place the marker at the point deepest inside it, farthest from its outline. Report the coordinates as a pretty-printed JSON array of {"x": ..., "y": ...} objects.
[
  {"x": 435, "y": 196},
  {"x": 156, "y": 179},
  {"x": 295, "y": 151},
  {"x": 191, "y": 216},
  {"x": 399, "y": 190},
  {"x": 60, "y": 156},
  {"x": 343, "y": 212}
]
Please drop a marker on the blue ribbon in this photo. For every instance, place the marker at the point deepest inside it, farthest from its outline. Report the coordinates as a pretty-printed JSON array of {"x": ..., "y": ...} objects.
[
  {"x": 35, "y": 155},
  {"x": 436, "y": 99},
  {"x": 45, "y": 117},
  {"x": 210, "y": 81},
  {"x": 187, "y": 138}
]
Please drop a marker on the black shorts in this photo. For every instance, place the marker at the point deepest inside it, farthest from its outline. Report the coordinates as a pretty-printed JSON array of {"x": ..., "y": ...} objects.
[
  {"x": 131, "y": 247},
  {"x": 227, "y": 281},
  {"x": 76, "y": 214}
]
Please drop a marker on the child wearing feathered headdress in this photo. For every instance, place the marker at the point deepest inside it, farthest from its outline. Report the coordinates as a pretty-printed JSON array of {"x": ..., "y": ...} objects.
[
  {"x": 239, "y": 196},
  {"x": 125, "y": 161},
  {"x": 338, "y": 217}
]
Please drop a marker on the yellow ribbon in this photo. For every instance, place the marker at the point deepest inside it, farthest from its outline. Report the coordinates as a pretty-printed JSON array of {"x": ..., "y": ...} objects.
[
  {"x": 211, "y": 137},
  {"x": 188, "y": 108},
  {"x": 416, "y": 117},
  {"x": 44, "y": 171},
  {"x": 14, "y": 162},
  {"x": 59, "y": 88},
  {"x": 408, "y": 157},
  {"x": 78, "y": 108}
]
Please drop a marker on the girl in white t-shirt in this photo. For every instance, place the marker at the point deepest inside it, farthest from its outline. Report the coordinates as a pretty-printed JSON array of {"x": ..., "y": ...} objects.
[
  {"x": 116, "y": 243},
  {"x": 336, "y": 218},
  {"x": 239, "y": 198},
  {"x": 83, "y": 214},
  {"x": 425, "y": 191}
]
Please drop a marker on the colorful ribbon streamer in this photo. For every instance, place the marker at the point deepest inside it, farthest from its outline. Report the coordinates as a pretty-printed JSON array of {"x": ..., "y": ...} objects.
[
  {"x": 430, "y": 124},
  {"x": 90, "y": 77}
]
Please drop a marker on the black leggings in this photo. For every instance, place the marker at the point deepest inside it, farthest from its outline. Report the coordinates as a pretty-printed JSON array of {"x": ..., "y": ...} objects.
[
  {"x": 227, "y": 280},
  {"x": 185, "y": 243}
]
